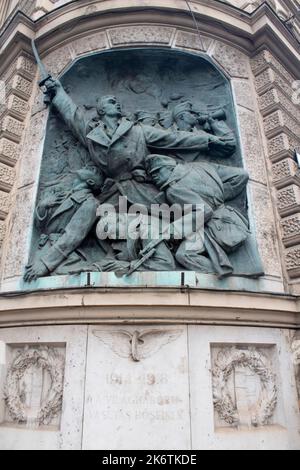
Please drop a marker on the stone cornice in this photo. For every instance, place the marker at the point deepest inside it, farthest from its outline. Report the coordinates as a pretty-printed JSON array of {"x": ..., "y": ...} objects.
[
  {"x": 159, "y": 305},
  {"x": 249, "y": 32}
]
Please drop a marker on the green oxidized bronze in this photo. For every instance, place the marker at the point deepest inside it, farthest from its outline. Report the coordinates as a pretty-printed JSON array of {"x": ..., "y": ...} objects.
[{"x": 169, "y": 155}]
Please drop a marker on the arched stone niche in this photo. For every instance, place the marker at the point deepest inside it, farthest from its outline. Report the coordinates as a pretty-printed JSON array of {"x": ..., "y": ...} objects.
[
  {"x": 155, "y": 81},
  {"x": 233, "y": 64}
]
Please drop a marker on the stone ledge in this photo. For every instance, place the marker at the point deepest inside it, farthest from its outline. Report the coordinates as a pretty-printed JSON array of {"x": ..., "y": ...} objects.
[
  {"x": 140, "y": 305},
  {"x": 293, "y": 261},
  {"x": 291, "y": 230},
  {"x": 264, "y": 60},
  {"x": 270, "y": 78},
  {"x": 9, "y": 152},
  {"x": 279, "y": 122},
  {"x": 285, "y": 173},
  {"x": 282, "y": 146},
  {"x": 288, "y": 200},
  {"x": 274, "y": 100}
]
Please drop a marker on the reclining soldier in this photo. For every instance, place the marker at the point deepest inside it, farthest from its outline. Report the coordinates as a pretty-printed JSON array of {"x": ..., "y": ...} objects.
[{"x": 208, "y": 186}]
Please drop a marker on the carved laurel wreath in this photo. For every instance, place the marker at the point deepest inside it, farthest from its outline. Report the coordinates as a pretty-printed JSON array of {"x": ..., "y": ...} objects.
[
  {"x": 225, "y": 363},
  {"x": 48, "y": 359}
]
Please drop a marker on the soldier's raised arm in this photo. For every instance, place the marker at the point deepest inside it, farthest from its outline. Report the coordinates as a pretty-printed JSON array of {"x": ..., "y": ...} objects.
[
  {"x": 73, "y": 115},
  {"x": 162, "y": 139}
]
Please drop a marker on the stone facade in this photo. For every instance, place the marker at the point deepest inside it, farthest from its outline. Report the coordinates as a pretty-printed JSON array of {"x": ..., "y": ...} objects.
[
  {"x": 103, "y": 357},
  {"x": 18, "y": 83},
  {"x": 281, "y": 123}
]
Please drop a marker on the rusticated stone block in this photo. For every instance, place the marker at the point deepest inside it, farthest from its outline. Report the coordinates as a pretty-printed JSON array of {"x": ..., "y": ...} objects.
[
  {"x": 265, "y": 232},
  {"x": 291, "y": 229},
  {"x": 243, "y": 93},
  {"x": 284, "y": 170},
  {"x": 12, "y": 127},
  {"x": 291, "y": 225},
  {"x": 274, "y": 98},
  {"x": 260, "y": 61},
  {"x": 9, "y": 151},
  {"x": 26, "y": 65},
  {"x": 268, "y": 79},
  {"x": 282, "y": 144},
  {"x": 58, "y": 60},
  {"x": 232, "y": 60},
  {"x": 32, "y": 149},
  {"x": 265, "y": 59},
  {"x": 141, "y": 34},
  {"x": 20, "y": 86},
  {"x": 278, "y": 119},
  {"x": 288, "y": 200},
  {"x": 292, "y": 258},
  {"x": 18, "y": 106},
  {"x": 252, "y": 147},
  {"x": 7, "y": 175},
  {"x": 264, "y": 80},
  {"x": 22, "y": 65},
  {"x": 83, "y": 45},
  {"x": 188, "y": 40},
  {"x": 2, "y": 231},
  {"x": 268, "y": 99},
  {"x": 4, "y": 203}
]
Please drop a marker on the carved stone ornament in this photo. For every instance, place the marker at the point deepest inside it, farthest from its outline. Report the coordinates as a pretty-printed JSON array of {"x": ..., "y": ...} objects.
[
  {"x": 48, "y": 360},
  {"x": 139, "y": 344},
  {"x": 224, "y": 366}
]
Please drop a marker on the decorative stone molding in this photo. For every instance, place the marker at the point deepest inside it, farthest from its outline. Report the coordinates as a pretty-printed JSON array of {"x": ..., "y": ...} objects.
[
  {"x": 141, "y": 34},
  {"x": 293, "y": 261},
  {"x": 224, "y": 366},
  {"x": 138, "y": 344},
  {"x": 291, "y": 230},
  {"x": 288, "y": 200},
  {"x": 18, "y": 80},
  {"x": 50, "y": 361},
  {"x": 285, "y": 172},
  {"x": 281, "y": 120},
  {"x": 275, "y": 99},
  {"x": 274, "y": 123}
]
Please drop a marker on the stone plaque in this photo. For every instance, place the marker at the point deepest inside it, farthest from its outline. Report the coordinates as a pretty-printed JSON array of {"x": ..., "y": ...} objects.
[{"x": 137, "y": 391}]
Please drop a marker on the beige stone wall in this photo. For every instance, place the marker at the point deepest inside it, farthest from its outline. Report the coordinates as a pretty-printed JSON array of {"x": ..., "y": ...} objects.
[
  {"x": 281, "y": 123},
  {"x": 17, "y": 84}
]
